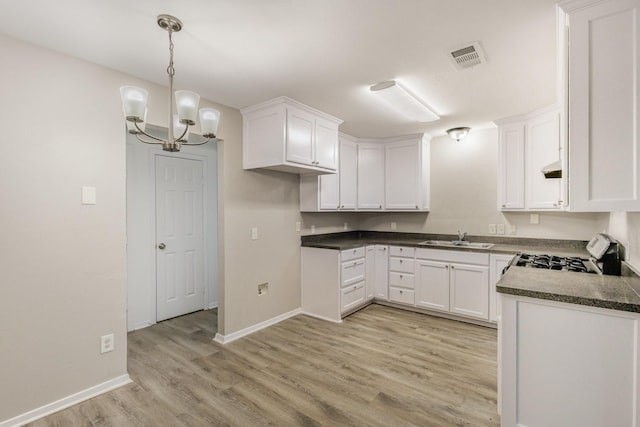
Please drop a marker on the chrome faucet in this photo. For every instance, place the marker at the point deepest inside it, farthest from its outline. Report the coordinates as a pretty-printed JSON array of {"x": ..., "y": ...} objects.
[{"x": 461, "y": 235}]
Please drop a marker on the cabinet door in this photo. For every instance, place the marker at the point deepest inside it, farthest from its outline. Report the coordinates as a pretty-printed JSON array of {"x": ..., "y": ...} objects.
[
  {"x": 543, "y": 148},
  {"x": 604, "y": 110},
  {"x": 300, "y": 129},
  {"x": 370, "y": 272},
  {"x": 402, "y": 175},
  {"x": 381, "y": 286},
  {"x": 348, "y": 174},
  {"x": 511, "y": 170},
  {"x": 326, "y": 144},
  {"x": 497, "y": 263},
  {"x": 432, "y": 285},
  {"x": 370, "y": 176},
  {"x": 328, "y": 188},
  {"x": 470, "y": 290}
]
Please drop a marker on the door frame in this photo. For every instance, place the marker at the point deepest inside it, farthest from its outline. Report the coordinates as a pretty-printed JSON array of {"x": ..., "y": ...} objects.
[{"x": 141, "y": 226}]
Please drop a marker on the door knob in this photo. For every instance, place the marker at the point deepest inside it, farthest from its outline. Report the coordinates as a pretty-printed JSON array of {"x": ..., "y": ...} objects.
[{"x": 162, "y": 246}]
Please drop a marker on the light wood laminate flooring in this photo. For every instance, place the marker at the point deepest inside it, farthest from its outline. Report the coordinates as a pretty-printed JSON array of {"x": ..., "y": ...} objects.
[{"x": 380, "y": 367}]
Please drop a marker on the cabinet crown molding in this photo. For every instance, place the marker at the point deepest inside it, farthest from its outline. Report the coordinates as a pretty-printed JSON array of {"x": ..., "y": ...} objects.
[{"x": 284, "y": 100}]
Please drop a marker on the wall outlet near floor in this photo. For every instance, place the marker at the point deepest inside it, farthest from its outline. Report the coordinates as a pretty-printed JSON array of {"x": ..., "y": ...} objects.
[
  {"x": 106, "y": 343},
  {"x": 394, "y": 226},
  {"x": 492, "y": 229},
  {"x": 263, "y": 288},
  {"x": 500, "y": 228}
]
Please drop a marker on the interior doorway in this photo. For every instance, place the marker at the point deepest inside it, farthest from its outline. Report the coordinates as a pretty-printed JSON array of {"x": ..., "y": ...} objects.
[{"x": 154, "y": 291}]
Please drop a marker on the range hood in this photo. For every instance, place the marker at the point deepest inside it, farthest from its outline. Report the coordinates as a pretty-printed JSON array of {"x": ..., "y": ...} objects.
[{"x": 553, "y": 170}]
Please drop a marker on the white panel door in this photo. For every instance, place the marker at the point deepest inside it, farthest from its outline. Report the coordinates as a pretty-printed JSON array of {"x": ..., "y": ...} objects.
[
  {"x": 370, "y": 176},
  {"x": 432, "y": 284},
  {"x": 402, "y": 175},
  {"x": 469, "y": 290},
  {"x": 300, "y": 137},
  {"x": 326, "y": 144},
  {"x": 179, "y": 237},
  {"x": 511, "y": 172},
  {"x": 348, "y": 174}
]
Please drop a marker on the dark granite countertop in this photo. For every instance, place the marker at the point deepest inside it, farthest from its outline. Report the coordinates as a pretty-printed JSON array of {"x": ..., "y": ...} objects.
[
  {"x": 612, "y": 292},
  {"x": 502, "y": 244}
]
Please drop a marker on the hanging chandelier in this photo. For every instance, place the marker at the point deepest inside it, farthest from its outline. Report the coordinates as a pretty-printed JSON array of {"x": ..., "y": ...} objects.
[{"x": 134, "y": 102}]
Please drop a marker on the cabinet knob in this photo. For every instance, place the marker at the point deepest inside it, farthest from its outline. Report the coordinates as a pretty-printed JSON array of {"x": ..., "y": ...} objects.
[
  {"x": 380, "y": 207},
  {"x": 401, "y": 276},
  {"x": 417, "y": 207},
  {"x": 401, "y": 292},
  {"x": 446, "y": 266},
  {"x": 452, "y": 267},
  {"x": 504, "y": 206}
]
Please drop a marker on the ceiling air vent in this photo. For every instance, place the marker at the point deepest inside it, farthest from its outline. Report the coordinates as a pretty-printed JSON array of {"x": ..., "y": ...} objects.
[{"x": 467, "y": 56}]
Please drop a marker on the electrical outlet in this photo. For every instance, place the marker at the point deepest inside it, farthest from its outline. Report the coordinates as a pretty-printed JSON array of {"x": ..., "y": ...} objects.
[
  {"x": 106, "y": 343},
  {"x": 535, "y": 219},
  {"x": 346, "y": 226},
  {"x": 254, "y": 233},
  {"x": 313, "y": 229},
  {"x": 500, "y": 228},
  {"x": 492, "y": 229},
  {"x": 394, "y": 226},
  {"x": 263, "y": 288},
  {"x": 512, "y": 229},
  {"x": 297, "y": 225}
]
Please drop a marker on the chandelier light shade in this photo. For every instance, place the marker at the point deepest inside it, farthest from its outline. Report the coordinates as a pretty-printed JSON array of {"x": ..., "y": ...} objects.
[
  {"x": 134, "y": 104},
  {"x": 458, "y": 133}
]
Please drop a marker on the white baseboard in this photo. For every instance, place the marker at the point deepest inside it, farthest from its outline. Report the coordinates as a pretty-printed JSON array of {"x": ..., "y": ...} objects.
[
  {"x": 328, "y": 319},
  {"x": 66, "y": 402},
  {"x": 226, "y": 339},
  {"x": 212, "y": 305}
]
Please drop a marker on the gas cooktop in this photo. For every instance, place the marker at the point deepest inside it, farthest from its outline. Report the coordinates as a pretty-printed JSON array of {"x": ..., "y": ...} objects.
[{"x": 553, "y": 262}]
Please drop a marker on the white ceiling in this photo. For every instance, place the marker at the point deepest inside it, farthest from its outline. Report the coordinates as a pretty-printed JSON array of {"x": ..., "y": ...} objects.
[{"x": 324, "y": 53}]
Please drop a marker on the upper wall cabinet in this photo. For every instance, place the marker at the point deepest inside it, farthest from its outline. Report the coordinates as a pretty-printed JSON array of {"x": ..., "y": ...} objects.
[
  {"x": 603, "y": 69},
  {"x": 528, "y": 144},
  {"x": 374, "y": 175},
  {"x": 288, "y": 136}
]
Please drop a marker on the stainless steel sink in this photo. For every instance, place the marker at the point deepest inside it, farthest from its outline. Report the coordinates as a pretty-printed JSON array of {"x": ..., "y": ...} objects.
[{"x": 457, "y": 244}]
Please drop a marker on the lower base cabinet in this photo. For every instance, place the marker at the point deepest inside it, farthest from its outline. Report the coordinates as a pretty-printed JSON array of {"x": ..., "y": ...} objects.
[
  {"x": 568, "y": 365},
  {"x": 453, "y": 282}
]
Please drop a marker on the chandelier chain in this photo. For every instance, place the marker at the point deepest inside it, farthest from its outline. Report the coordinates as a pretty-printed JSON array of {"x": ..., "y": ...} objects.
[{"x": 170, "y": 70}]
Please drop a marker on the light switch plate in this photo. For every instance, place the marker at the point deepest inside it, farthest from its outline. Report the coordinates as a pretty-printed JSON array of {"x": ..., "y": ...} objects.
[
  {"x": 500, "y": 228},
  {"x": 254, "y": 233},
  {"x": 297, "y": 225},
  {"x": 88, "y": 195},
  {"x": 394, "y": 225},
  {"x": 492, "y": 229}
]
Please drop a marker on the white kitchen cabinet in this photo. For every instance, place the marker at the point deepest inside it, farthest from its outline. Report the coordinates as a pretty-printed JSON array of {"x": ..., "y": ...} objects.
[
  {"x": 603, "y": 105},
  {"x": 497, "y": 263},
  {"x": 333, "y": 282},
  {"x": 568, "y": 365},
  {"x": 285, "y": 135},
  {"x": 432, "y": 285},
  {"x": 370, "y": 273},
  {"x": 348, "y": 174},
  {"x": 402, "y": 275},
  {"x": 407, "y": 175},
  {"x": 453, "y": 281},
  {"x": 527, "y": 144},
  {"x": 381, "y": 285},
  {"x": 511, "y": 167},
  {"x": 370, "y": 176},
  {"x": 332, "y": 192}
]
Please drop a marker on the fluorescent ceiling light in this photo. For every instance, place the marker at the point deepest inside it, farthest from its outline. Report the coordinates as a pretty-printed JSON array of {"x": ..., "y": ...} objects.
[{"x": 403, "y": 101}]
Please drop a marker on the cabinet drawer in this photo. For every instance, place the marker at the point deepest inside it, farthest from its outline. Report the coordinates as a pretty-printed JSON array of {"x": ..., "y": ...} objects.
[
  {"x": 403, "y": 265},
  {"x": 350, "y": 254},
  {"x": 402, "y": 251},
  {"x": 352, "y": 296},
  {"x": 453, "y": 256},
  {"x": 352, "y": 272},
  {"x": 404, "y": 296},
  {"x": 403, "y": 280}
]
